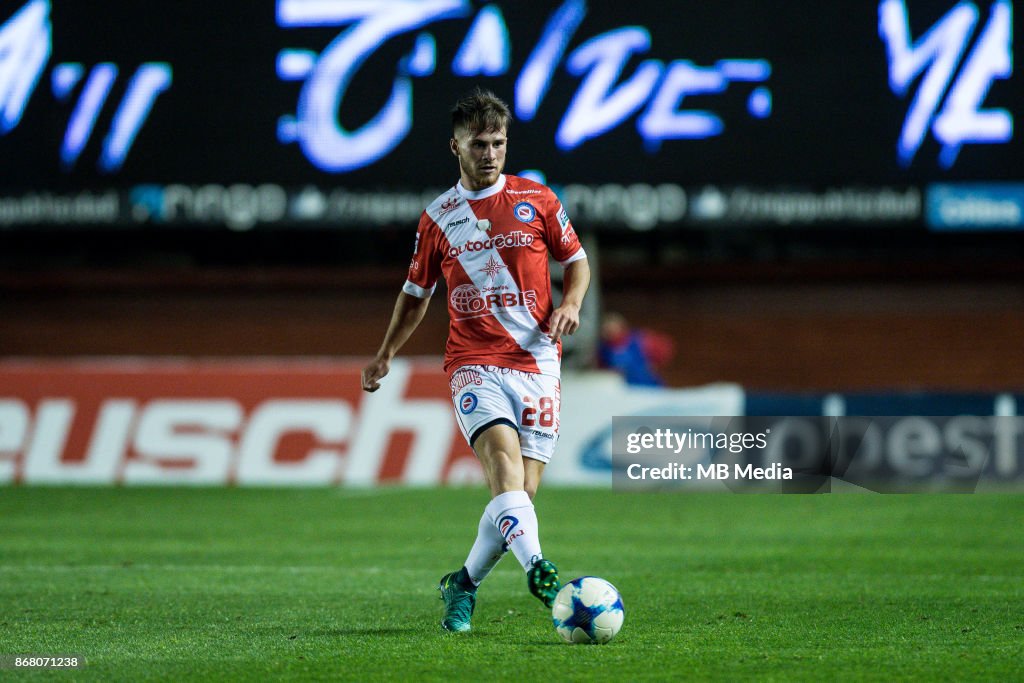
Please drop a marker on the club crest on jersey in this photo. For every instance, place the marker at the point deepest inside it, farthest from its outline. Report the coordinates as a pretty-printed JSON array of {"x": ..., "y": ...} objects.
[
  {"x": 506, "y": 524},
  {"x": 468, "y": 403},
  {"x": 524, "y": 211}
]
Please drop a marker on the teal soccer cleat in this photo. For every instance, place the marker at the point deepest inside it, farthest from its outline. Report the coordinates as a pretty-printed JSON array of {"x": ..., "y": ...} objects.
[
  {"x": 459, "y": 603},
  {"x": 543, "y": 581}
]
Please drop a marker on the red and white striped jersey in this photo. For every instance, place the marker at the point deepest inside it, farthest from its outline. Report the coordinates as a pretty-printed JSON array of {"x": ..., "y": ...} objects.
[{"x": 492, "y": 248}]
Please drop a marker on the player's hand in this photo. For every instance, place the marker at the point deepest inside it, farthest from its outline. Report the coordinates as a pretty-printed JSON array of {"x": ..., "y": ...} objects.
[
  {"x": 373, "y": 373},
  {"x": 564, "y": 320}
]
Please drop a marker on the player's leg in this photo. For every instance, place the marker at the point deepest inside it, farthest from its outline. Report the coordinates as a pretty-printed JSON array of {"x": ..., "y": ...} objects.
[
  {"x": 512, "y": 510},
  {"x": 533, "y": 470},
  {"x": 489, "y": 546},
  {"x": 497, "y": 448},
  {"x": 480, "y": 407},
  {"x": 490, "y": 407},
  {"x": 502, "y": 475},
  {"x": 542, "y": 577},
  {"x": 538, "y": 434}
]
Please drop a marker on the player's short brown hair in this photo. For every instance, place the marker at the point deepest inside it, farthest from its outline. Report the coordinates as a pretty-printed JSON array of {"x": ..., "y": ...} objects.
[{"x": 481, "y": 111}]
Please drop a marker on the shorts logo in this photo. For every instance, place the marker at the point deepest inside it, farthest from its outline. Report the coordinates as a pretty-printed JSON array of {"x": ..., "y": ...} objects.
[
  {"x": 463, "y": 378},
  {"x": 506, "y": 524},
  {"x": 468, "y": 403},
  {"x": 524, "y": 211}
]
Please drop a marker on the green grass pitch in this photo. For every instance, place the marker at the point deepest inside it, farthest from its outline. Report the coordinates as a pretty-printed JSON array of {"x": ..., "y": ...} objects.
[{"x": 242, "y": 584}]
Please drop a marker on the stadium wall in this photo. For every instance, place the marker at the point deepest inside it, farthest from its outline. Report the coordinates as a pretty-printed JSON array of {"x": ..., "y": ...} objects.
[
  {"x": 258, "y": 422},
  {"x": 799, "y": 336}
]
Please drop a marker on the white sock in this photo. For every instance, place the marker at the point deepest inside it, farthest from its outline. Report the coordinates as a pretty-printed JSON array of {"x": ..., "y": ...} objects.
[
  {"x": 515, "y": 519},
  {"x": 488, "y": 548}
]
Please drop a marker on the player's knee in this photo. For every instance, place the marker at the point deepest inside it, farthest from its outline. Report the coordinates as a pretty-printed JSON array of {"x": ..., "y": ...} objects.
[
  {"x": 531, "y": 489},
  {"x": 505, "y": 472},
  {"x": 504, "y": 462}
]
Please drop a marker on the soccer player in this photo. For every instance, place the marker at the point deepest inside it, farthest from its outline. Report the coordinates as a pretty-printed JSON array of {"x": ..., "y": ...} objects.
[{"x": 490, "y": 237}]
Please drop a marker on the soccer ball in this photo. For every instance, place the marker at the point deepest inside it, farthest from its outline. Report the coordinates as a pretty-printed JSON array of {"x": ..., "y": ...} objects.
[{"x": 588, "y": 610}]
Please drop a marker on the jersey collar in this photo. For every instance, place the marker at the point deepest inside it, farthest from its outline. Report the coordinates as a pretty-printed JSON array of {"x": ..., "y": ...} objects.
[{"x": 484, "y": 193}]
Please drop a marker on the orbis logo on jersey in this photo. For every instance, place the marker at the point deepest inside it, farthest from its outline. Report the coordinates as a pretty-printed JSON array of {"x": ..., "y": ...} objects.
[
  {"x": 470, "y": 302},
  {"x": 514, "y": 239}
]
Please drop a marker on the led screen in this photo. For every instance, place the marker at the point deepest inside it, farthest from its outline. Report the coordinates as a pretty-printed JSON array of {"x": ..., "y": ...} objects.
[{"x": 334, "y": 113}]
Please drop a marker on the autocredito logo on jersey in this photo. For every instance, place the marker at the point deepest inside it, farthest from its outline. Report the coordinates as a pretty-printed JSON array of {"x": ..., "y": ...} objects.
[{"x": 512, "y": 240}]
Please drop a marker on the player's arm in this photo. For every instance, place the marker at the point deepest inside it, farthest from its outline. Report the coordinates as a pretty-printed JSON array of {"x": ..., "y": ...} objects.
[
  {"x": 566, "y": 318},
  {"x": 408, "y": 313}
]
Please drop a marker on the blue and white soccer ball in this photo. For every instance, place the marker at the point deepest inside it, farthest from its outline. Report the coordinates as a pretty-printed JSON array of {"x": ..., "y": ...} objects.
[{"x": 588, "y": 610}]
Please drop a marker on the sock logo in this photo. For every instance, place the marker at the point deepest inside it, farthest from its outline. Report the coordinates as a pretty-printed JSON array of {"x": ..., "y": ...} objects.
[{"x": 506, "y": 524}]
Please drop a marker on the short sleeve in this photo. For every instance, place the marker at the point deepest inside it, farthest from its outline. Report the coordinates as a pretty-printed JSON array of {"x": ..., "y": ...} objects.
[
  {"x": 425, "y": 267},
  {"x": 563, "y": 242}
]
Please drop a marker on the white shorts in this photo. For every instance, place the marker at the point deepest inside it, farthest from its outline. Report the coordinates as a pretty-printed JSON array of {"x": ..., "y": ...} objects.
[{"x": 486, "y": 395}]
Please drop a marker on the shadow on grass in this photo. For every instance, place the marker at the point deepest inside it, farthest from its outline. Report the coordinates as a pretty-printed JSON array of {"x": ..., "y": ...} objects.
[
  {"x": 381, "y": 631},
  {"x": 357, "y": 631},
  {"x": 336, "y": 632},
  {"x": 475, "y": 635}
]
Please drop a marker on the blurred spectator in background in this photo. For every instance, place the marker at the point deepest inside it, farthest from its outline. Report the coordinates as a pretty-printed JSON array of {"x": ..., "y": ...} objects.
[{"x": 637, "y": 354}]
